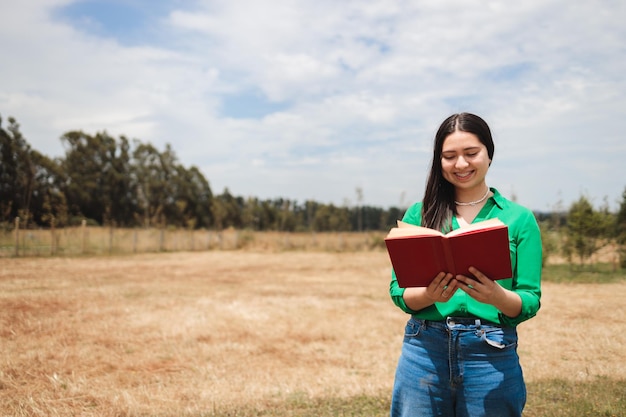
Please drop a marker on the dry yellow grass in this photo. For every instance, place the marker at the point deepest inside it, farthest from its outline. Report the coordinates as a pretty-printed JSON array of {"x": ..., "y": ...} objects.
[
  {"x": 181, "y": 333},
  {"x": 90, "y": 240}
]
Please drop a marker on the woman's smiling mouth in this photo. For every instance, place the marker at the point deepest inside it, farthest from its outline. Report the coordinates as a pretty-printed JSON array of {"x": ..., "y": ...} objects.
[{"x": 463, "y": 175}]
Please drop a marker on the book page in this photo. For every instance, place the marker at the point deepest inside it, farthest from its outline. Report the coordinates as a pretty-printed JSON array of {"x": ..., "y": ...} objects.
[
  {"x": 485, "y": 224},
  {"x": 406, "y": 229}
]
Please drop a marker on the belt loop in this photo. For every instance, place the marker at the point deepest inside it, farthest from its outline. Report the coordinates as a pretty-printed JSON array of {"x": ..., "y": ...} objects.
[{"x": 477, "y": 322}]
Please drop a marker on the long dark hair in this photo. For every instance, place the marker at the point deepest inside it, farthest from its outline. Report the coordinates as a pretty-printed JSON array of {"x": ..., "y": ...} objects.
[{"x": 438, "y": 203}]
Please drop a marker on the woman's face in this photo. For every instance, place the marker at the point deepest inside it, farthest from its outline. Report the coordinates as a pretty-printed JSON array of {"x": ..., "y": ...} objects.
[{"x": 464, "y": 161}]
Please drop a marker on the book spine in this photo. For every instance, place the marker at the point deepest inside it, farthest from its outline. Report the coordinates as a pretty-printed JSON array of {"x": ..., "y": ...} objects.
[{"x": 449, "y": 259}]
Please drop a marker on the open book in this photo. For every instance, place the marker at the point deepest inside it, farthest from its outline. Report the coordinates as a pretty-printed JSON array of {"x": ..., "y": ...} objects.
[{"x": 418, "y": 253}]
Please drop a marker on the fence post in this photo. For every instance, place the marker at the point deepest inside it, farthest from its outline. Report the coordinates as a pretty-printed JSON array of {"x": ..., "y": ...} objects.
[
  {"x": 111, "y": 238},
  {"x": 17, "y": 236},
  {"x": 83, "y": 226},
  {"x": 52, "y": 237}
]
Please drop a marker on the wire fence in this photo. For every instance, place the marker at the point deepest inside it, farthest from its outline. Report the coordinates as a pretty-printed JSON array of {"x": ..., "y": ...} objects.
[{"x": 95, "y": 240}]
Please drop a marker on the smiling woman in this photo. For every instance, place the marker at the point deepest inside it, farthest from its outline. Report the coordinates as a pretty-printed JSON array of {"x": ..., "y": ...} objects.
[{"x": 461, "y": 339}]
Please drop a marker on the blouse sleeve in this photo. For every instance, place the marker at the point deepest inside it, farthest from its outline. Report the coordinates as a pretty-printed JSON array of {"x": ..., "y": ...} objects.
[
  {"x": 527, "y": 277},
  {"x": 411, "y": 216}
]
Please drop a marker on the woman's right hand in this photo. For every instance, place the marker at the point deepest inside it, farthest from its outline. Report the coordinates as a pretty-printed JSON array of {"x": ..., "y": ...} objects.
[
  {"x": 442, "y": 287},
  {"x": 440, "y": 290}
]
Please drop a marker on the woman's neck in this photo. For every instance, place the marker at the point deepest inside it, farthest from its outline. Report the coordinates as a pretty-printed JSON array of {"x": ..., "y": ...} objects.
[{"x": 471, "y": 197}]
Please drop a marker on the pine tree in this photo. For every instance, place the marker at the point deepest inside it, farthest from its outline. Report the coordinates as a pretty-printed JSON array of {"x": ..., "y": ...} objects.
[{"x": 587, "y": 229}]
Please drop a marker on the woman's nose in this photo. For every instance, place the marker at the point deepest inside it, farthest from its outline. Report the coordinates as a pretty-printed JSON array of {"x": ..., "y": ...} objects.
[{"x": 461, "y": 162}]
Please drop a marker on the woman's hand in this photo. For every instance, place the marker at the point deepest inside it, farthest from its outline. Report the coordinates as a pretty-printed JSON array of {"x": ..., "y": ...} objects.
[
  {"x": 483, "y": 289},
  {"x": 442, "y": 287},
  {"x": 480, "y": 287}
]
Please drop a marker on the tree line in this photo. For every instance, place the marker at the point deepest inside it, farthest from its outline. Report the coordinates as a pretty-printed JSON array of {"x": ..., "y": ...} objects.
[{"x": 129, "y": 183}]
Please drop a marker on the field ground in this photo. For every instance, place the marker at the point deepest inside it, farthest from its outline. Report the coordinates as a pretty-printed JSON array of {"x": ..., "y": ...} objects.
[{"x": 193, "y": 332}]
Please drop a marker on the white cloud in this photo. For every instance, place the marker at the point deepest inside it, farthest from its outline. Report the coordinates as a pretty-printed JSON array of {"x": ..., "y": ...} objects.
[{"x": 362, "y": 86}]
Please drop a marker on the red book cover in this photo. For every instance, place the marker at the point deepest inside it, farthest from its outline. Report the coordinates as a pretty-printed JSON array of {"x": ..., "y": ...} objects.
[{"x": 418, "y": 254}]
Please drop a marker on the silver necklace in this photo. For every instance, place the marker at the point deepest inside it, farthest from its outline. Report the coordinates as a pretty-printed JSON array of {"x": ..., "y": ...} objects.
[{"x": 473, "y": 203}]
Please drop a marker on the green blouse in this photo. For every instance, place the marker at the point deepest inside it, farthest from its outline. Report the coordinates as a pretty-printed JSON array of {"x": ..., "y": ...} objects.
[{"x": 526, "y": 253}]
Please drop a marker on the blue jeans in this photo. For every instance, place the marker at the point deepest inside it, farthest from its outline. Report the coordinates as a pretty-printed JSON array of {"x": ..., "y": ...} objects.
[{"x": 458, "y": 368}]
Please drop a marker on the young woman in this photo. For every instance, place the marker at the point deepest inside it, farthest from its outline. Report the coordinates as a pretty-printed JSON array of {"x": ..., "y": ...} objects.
[{"x": 459, "y": 355}]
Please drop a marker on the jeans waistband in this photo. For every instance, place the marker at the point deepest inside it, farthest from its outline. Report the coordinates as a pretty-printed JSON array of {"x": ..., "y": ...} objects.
[{"x": 467, "y": 322}]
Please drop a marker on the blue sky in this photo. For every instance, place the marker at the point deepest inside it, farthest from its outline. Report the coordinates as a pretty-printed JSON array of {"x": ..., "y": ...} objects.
[{"x": 312, "y": 99}]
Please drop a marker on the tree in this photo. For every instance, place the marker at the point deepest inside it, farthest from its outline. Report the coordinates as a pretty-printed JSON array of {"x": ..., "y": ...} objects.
[
  {"x": 193, "y": 196},
  {"x": 97, "y": 180},
  {"x": 119, "y": 182},
  {"x": 49, "y": 204},
  {"x": 227, "y": 210},
  {"x": 250, "y": 215},
  {"x": 331, "y": 218},
  {"x": 153, "y": 172},
  {"x": 586, "y": 230},
  {"x": 17, "y": 176}
]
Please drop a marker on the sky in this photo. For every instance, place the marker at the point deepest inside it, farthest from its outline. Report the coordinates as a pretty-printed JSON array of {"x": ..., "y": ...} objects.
[{"x": 326, "y": 100}]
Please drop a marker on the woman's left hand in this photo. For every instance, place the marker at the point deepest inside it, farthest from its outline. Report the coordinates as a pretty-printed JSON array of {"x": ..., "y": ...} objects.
[{"x": 480, "y": 287}]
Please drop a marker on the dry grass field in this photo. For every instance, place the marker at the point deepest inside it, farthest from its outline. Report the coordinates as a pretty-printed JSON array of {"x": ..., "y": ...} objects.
[{"x": 190, "y": 333}]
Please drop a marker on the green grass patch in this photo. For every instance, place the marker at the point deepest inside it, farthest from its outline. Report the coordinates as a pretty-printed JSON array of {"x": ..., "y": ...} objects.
[
  {"x": 602, "y": 397},
  {"x": 600, "y": 273},
  {"x": 301, "y": 405}
]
